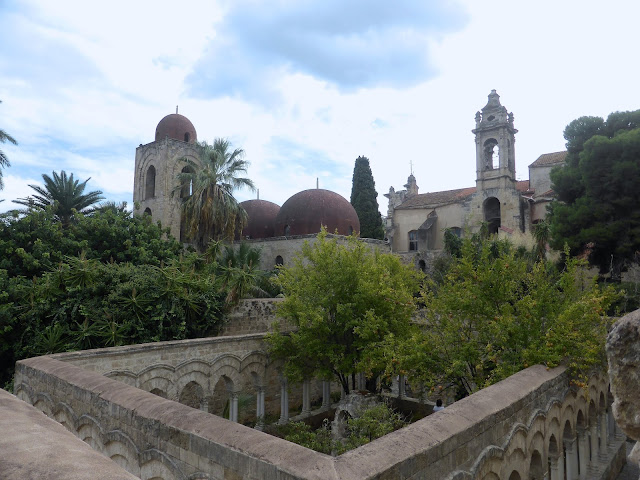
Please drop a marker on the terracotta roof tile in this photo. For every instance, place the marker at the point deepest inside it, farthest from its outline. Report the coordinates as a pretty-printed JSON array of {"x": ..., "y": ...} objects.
[
  {"x": 523, "y": 186},
  {"x": 437, "y": 198},
  {"x": 447, "y": 197},
  {"x": 549, "y": 159}
]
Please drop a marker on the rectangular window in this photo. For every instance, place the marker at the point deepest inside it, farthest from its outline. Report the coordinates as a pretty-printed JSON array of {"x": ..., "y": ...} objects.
[{"x": 413, "y": 241}]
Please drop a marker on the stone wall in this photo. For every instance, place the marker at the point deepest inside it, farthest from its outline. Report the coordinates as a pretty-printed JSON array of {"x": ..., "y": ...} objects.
[
  {"x": 209, "y": 369},
  {"x": 288, "y": 247},
  {"x": 254, "y": 315},
  {"x": 517, "y": 425},
  {"x": 40, "y": 448}
]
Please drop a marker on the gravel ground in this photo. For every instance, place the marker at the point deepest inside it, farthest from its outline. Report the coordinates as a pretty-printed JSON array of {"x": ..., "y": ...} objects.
[{"x": 630, "y": 471}]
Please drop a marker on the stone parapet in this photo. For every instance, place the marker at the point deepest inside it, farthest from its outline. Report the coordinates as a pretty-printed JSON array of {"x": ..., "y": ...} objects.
[
  {"x": 498, "y": 430},
  {"x": 34, "y": 446}
]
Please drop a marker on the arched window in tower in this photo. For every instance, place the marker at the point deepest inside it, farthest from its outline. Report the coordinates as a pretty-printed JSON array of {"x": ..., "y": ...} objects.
[
  {"x": 186, "y": 137},
  {"x": 491, "y": 209},
  {"x": 491, "y": 153},
  {"x": 187, "y": 186},
  {"x": 147, "y": 211},
  {"x": 150, "y": 183}
]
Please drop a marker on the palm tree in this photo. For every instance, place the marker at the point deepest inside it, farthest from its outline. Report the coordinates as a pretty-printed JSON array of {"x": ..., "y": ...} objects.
[
  {"x": 4, "y": 161},
  {"x": 64, "y": 194},
  {"x": 209, "y": 209}
]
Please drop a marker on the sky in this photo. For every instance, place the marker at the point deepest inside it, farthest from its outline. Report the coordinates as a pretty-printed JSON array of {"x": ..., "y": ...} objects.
[{"x": 304, "y": 86}]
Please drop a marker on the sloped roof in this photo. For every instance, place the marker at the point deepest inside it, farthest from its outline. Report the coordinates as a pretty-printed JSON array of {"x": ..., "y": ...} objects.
[
  {"x": 438, "y": 198},
  {"x": 549, "y": 159},
  {"x": 447, "y": 197},
  {"x": 523, "y": 186}
]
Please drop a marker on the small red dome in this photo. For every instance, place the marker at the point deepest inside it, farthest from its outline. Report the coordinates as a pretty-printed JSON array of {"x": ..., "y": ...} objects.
[
  {"x": 262, "y": 215},
  {"x": 178, "y": 127},
  {"x": 305, "y": 212}
]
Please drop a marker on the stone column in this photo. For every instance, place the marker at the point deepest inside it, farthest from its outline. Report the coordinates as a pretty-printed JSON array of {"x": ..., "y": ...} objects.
[
  {"x": 326, "y": 395},
  {"x": 204, "y": 405},
  {"x": 401, "y": 386},
  {"x": 554, "y": 472},
  {"x": 233, "y": 406},
  {"x": 603, "y": 434},
  {"x": 306, "y": 398},
  {"x": 611, "y": 423},
  {"x": 593, "y": 431},
  {"x": 395, "y": 385},
  {"x": 259, "y": 407},
  {"x": 284, "y": 402},
  {"x": 583, "y": 453},
  {"x": 572, "y": 459},
  {"x": 561, "y": 465}
]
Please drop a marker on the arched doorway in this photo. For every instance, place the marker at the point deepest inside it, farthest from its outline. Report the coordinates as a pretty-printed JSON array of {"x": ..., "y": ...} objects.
[{"x": 491, "y": 210}]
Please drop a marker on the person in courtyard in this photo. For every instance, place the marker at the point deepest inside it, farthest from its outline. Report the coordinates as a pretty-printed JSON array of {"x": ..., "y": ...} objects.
[{"x": 438, "y": 406}]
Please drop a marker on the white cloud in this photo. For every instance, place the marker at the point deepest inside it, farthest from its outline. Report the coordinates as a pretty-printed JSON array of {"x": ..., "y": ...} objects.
[{"x": 92, "y": 83}]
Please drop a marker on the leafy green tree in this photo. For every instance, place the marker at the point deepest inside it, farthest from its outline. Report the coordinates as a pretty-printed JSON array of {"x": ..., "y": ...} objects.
[
  {"x": 496, "y": 313},
  {"x": 363, "y": 199},
  {"x": 371, "y": 423},
  {"x": 598, "y": 200},
  {"x": 64, "y": 194},
  {"x": 84, "y": 303},
  {"x": 210, "y": 210},
  {"x": 4, "y": 161},
  {"x": 342, "y": 298},
  {"x": 35, "y": 242}
]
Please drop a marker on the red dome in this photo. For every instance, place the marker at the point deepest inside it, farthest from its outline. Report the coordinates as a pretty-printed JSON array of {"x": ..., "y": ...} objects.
[
  {"x": 306, "y": 211},
  {"x": 178, "y": 127},
  {"x": 262, "y": 215}
]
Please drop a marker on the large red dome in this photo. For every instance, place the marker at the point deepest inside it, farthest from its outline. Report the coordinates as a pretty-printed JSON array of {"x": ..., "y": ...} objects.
[
  {"x": 262, "y": 215},
  {"x": 305, "y": 212},
  {"x": 178, "y": 127}
]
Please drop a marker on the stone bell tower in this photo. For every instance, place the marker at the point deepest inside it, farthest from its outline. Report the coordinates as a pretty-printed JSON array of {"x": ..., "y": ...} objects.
[
  {"x": 157, "y": 165},
  {"x": 495, "y": 146},
  {"x": 497, "y": 201}
]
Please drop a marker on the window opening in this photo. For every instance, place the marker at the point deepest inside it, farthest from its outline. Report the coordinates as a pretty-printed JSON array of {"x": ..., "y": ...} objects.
[
  {"x": 187, "y": 185},
  {"x": 150, "y": 183},
  {"x": 491, "y": 154},
  {"x": 413, "y": 241}
]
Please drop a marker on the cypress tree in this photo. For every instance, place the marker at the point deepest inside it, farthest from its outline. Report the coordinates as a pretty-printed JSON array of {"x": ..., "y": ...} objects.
[{"x": 363, "y": 199}]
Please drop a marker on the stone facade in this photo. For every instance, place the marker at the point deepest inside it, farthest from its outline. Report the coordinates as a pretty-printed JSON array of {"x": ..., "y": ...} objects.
[
  {"x": 157, "y": 165},
  {"x": 282, "y": 250},
  {"x": 416, "y": 222}
]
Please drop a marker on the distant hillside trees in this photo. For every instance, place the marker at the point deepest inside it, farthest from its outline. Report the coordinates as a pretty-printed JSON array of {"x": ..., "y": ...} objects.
[
  {"x": 598, "y": 207},
  {"x": 364, "y": 200}
]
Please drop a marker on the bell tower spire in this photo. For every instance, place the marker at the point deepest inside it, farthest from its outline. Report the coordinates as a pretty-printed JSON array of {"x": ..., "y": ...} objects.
[{"x": 495, "y": 145}]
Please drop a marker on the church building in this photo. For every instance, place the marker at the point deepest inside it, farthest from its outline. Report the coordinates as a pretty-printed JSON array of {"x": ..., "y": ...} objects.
[{"x": 416, "y": 222}]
